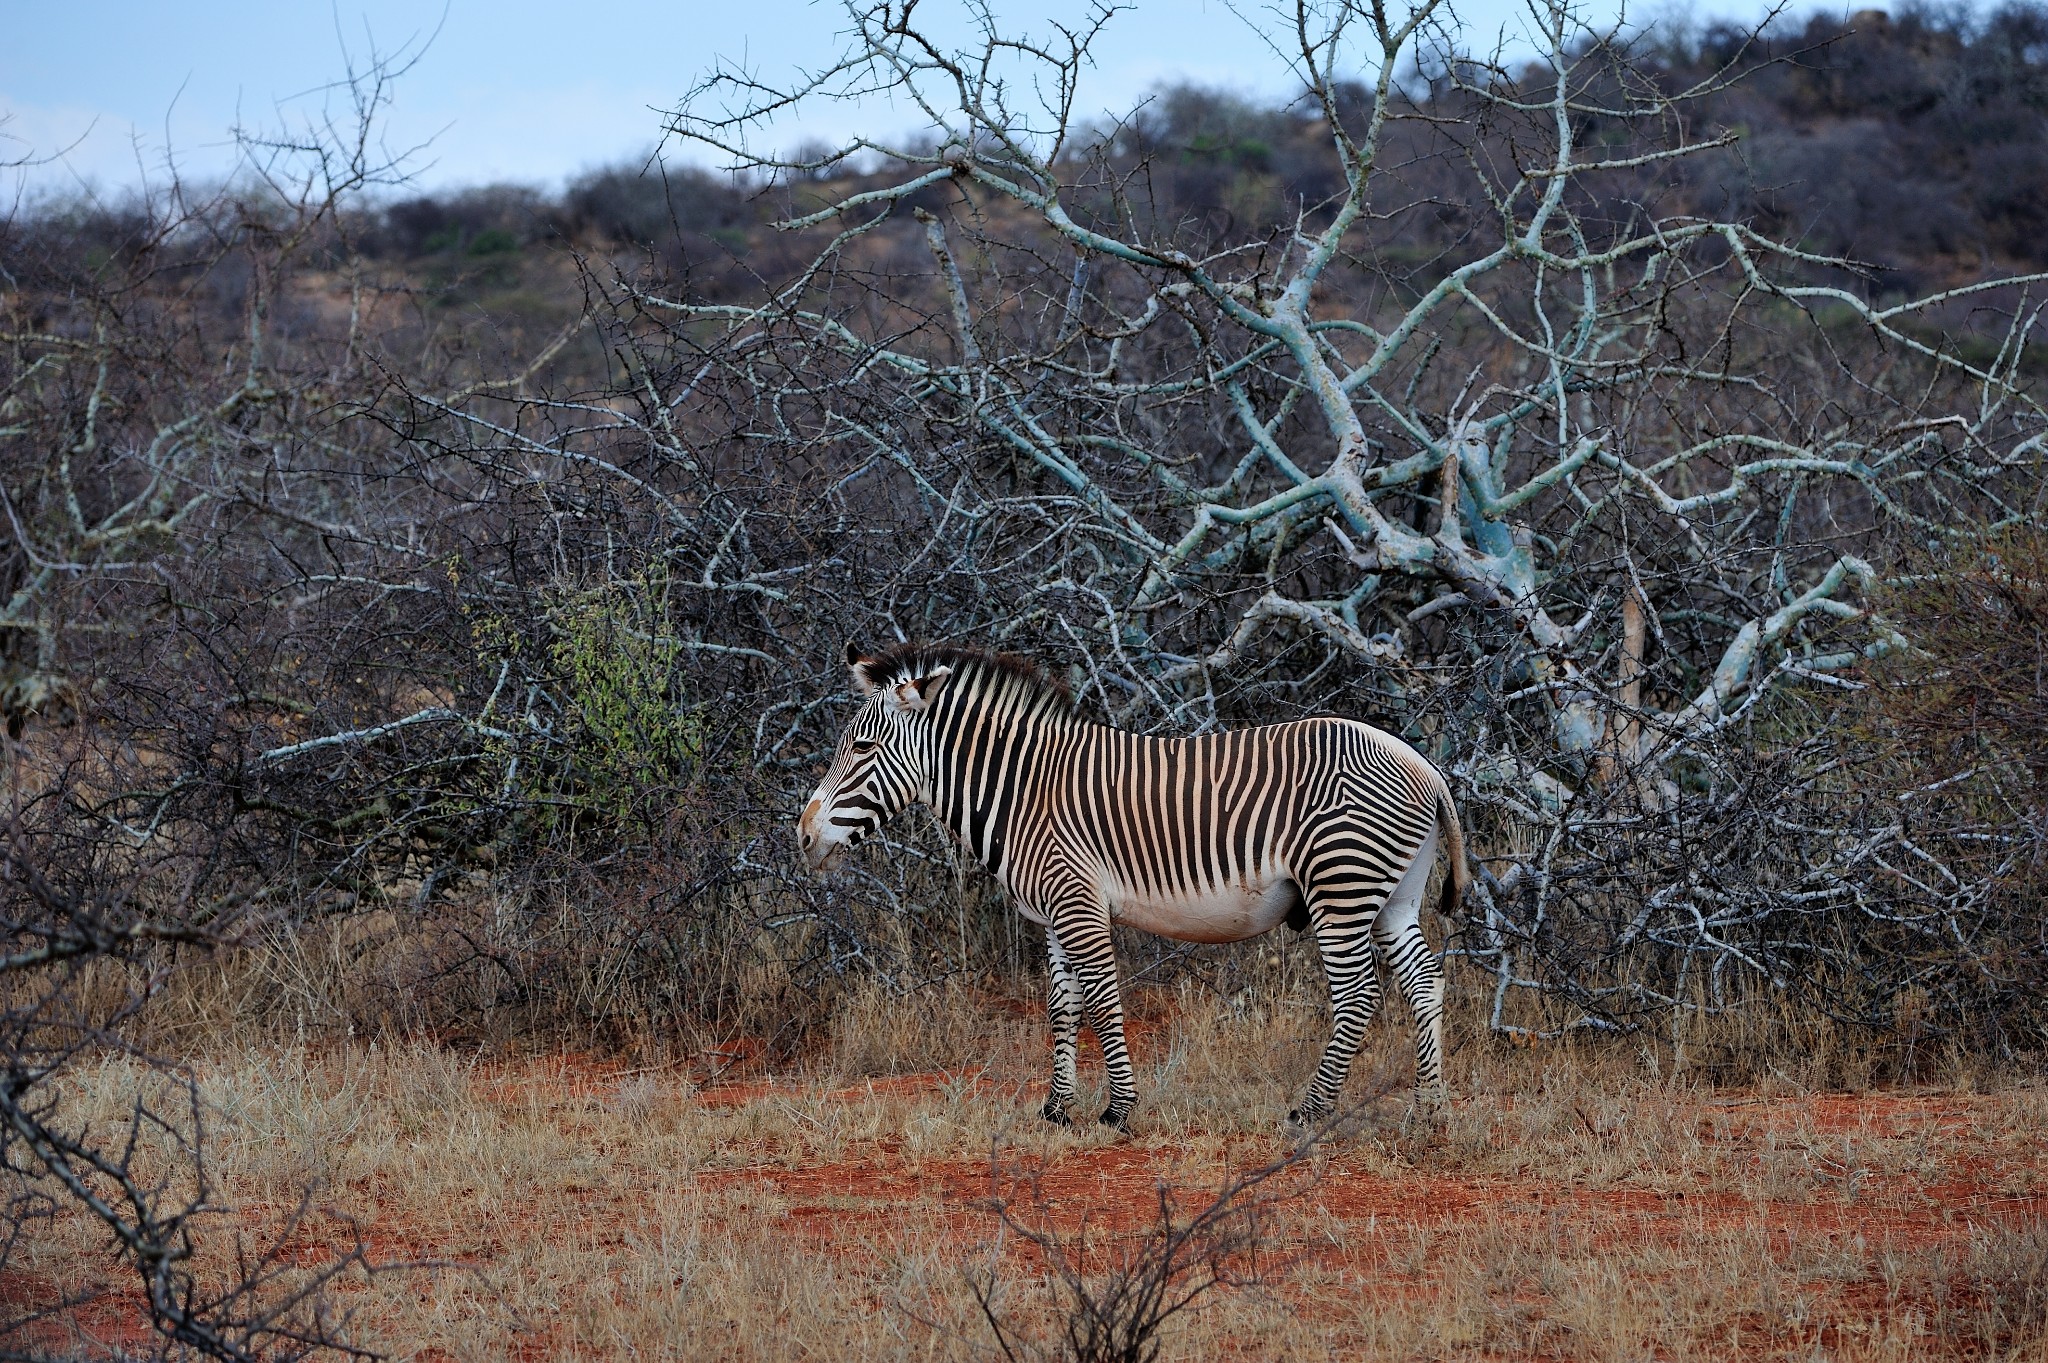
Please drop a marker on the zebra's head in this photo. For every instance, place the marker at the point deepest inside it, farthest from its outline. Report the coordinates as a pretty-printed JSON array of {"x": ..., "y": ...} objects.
[{"x": 879, "y": 765}]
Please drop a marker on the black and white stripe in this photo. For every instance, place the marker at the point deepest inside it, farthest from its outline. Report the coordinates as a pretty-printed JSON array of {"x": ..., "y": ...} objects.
[{"x": 1328, "y": 824}]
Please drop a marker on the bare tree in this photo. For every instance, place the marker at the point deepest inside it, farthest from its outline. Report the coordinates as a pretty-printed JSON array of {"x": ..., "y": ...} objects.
[
  {"x": 137, "y": 454},
  {"x": 1573, "y": 499},
  {"x": 1116, "y": 1301}
]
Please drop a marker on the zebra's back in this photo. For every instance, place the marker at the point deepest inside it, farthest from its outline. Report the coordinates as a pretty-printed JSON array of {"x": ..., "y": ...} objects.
[{"x": 1208, "y": 838}]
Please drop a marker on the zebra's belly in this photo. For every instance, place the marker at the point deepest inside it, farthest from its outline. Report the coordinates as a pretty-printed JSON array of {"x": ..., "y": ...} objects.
[{"x": 1220, "y": 913}]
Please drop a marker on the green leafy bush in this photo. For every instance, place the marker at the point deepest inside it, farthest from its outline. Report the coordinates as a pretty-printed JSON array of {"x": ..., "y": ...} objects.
[{"x": 633, "y": 740}]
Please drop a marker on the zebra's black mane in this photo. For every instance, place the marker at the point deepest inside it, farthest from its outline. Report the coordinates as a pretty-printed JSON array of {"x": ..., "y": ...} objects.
[{"x": 904, "y": 661}]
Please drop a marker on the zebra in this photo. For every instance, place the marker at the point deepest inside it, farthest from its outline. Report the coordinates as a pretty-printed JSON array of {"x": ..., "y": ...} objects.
[{"x": 1329, "y": 825}]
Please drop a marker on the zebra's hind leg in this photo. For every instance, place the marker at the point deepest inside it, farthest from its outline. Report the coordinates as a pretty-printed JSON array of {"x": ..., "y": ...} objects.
[
  {"x": 1064, "y": 1011},
  {"x": 1398, "y": 931},
  {"x": 1344, "y": 935}
]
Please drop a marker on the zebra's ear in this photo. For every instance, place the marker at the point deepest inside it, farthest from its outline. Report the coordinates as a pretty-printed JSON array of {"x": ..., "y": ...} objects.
[
  {"x": 919, "y": 692},
  {"x": 858, "y": 665}
]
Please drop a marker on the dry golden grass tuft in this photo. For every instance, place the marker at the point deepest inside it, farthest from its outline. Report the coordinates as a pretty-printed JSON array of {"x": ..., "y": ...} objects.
[{"x": 1570, "y": 1204}]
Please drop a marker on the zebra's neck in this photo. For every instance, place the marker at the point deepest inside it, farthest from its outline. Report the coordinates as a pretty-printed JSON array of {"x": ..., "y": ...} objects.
[{"x": 991, "y": 732}]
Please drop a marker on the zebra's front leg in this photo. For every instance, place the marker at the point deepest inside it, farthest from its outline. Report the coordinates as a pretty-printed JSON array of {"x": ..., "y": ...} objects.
[
  {"x": 1082, "y": 928},
  {"x": 1064, "y": 1012},
  {"x": 1345, "y": 940}
]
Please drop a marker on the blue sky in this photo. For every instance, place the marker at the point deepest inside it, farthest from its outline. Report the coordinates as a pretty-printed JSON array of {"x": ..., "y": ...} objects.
[{"x": 515, "y": 90}]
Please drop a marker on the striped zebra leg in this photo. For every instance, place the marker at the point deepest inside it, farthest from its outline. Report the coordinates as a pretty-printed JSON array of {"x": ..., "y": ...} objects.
[
  {"x": 1082, "y": 926},
  {"x": 1347, "y": 873},
  {"x": 1399, "y": 934},
  {"x": 1422, "y": 984},
  {"x": 1344, "y": 937},
  {"x": 1064, "y": 1010}
]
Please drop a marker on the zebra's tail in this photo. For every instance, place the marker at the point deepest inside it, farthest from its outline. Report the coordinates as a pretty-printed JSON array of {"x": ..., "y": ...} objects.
[{"x": 1455, "y": 873}]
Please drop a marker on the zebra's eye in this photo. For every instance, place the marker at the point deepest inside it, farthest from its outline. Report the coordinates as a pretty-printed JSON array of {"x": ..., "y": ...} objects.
[{"x": 862, "y": 745}]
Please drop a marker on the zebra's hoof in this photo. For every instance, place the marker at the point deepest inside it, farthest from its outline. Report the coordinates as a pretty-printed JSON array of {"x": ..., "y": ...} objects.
[
  {"x": 1055, "y": 1114},
  {"x": 1113, "y": 1118}
]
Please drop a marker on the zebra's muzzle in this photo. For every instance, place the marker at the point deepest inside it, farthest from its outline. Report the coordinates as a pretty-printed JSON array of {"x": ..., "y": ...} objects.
[
  {"x": 819, "y": 859},
  {"x": 817, "y": 850}
]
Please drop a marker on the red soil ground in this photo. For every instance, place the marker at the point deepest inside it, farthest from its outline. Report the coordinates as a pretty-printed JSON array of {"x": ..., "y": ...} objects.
[{"x": 1114, "y": 1188}]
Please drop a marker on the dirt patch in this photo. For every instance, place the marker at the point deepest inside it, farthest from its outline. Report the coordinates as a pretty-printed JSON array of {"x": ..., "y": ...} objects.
[{"x": 568, "y": 1206}]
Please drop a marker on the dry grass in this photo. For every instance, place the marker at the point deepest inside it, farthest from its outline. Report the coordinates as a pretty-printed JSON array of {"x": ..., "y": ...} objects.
[{"x": 1571, "y": 1204}]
